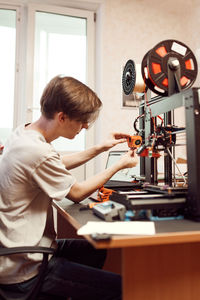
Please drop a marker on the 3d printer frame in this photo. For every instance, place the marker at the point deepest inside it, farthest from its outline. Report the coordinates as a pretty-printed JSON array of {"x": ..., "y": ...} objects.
[
  {"x": 190, "y": 99},
  {"x": 168, "y": 70}
]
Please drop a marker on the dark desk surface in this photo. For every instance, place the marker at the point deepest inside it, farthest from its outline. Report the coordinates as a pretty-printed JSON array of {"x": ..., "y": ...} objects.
[
  {"x": 167, "y": 231},
  {"x": 73, "y": 209},
  {"x": 162, "y": 266}
]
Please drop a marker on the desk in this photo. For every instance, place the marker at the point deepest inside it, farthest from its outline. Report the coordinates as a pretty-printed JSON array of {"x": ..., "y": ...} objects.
[{"x": 165, "y": 266}]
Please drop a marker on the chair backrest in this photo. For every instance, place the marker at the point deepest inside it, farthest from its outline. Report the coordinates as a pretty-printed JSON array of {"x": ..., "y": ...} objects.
[{"x": 35, "y": 289}]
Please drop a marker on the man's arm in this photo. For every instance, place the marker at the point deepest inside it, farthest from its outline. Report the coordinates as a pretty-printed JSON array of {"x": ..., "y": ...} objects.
[
  {"x": 80, "y": 191},
  {"x": 74, "y": 160}
]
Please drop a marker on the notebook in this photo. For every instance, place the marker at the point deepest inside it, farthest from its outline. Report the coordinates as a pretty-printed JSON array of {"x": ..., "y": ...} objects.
[{"x": 121, "y": 180}]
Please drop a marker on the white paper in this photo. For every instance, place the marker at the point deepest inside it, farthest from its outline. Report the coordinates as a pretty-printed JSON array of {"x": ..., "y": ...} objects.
[{"x": 118, "y": 227}]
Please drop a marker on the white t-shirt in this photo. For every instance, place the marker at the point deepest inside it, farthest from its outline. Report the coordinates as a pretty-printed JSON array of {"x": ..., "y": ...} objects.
[{"x": 31, "y": 175}]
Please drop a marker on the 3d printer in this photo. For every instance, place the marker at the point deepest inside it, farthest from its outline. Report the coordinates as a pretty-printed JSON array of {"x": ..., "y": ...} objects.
[{"x": 169, "y": 71}]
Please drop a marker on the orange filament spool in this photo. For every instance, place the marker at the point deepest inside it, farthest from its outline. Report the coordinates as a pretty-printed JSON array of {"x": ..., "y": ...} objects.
[{"x": 155, "y": 66}]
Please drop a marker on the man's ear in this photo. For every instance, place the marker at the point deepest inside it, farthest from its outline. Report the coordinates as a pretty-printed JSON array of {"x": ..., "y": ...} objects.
[{"x": 61, "y": 116}]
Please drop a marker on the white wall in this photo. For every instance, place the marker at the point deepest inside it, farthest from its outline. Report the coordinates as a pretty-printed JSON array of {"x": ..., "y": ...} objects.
[{"x": 130, "y": 28}]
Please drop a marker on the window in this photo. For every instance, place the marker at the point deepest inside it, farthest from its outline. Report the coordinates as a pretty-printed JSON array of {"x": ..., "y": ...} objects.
[
  {"x": 37, "y": 43},
  {"x": 61, "y": 42},
  {"x": 7, "y": 71},
  {"x": 60, "y": 48}
]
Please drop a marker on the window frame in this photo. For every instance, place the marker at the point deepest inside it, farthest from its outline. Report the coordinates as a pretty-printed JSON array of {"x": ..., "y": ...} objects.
[
  {"x": 32, "y": 8},
  {"x": 24, "y": 60},
  {"x": 18, "y": 88},
  {"x": 90, "y": 75}
]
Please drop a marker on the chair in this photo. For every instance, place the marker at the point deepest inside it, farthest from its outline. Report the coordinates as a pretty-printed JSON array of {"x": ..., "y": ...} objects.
[{"x": 35, "y": 289}]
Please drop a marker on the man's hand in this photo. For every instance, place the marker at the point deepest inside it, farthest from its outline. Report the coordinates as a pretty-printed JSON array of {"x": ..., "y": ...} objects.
[
  {"x": 129, "y": 159},
  {"x": 114, "y": 139}
]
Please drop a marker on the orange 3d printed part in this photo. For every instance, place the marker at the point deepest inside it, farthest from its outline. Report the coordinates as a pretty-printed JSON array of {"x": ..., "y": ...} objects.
[
  {"x": 134, "y": 141},
  {"x": 104, "y": 194}
]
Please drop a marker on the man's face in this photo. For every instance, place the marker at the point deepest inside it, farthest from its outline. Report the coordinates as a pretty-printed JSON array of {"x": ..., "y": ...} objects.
[{"x": 70, "y": 127}]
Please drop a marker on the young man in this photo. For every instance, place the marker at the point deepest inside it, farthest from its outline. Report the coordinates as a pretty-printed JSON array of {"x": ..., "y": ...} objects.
[{"x": 32, "y": 173}]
